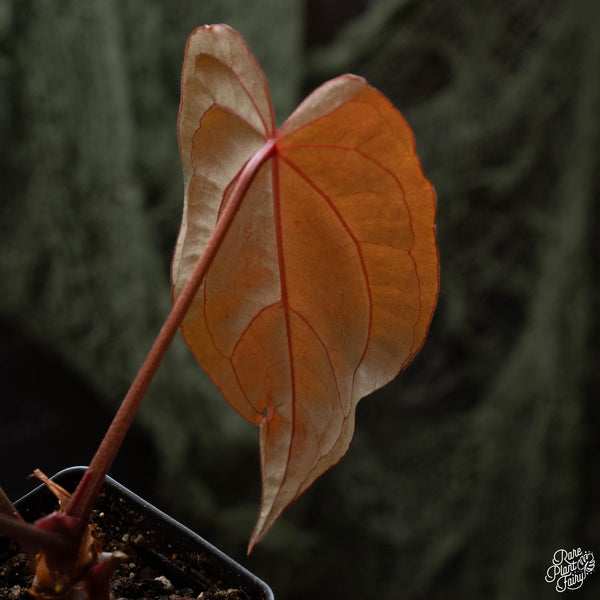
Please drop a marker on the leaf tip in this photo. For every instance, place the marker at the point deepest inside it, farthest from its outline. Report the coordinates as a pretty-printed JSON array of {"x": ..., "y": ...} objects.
[{"x": 259, "y": 532}]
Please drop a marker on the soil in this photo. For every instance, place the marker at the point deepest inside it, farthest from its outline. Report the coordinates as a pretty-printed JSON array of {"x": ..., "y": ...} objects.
[{"x": 153, "y": 569}]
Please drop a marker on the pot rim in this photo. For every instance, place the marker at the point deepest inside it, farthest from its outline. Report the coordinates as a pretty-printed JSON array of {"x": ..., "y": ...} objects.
[{"x": 221, "y": 561}]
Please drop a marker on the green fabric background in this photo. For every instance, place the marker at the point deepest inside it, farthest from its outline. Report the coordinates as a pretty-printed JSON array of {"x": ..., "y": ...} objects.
[{"x": 478, "y": 462}]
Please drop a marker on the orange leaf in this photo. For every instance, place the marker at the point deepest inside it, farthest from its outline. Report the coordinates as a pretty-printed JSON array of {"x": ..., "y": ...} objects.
[{"x": 324, "y": 285}]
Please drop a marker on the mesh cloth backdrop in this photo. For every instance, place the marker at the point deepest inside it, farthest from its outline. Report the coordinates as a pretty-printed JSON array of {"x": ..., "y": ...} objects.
[{"x": 471, "y": 469}]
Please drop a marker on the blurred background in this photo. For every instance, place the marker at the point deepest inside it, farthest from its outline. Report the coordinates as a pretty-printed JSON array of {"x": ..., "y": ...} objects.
[{"x": 482, "y": 458}]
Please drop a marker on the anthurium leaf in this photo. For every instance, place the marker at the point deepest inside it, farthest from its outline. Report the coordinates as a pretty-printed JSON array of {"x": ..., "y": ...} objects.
[{"x": 325, "y": 283}]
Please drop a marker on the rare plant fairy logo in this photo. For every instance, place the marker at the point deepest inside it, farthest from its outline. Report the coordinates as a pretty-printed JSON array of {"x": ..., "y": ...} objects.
[{"x": 570, "y": 568}]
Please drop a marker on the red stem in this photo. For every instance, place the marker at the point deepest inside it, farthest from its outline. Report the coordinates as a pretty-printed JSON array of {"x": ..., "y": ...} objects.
[
  {"x": 10, "y": 521},
  {"x": 84, "y": 497},
  {"x": 32, "y": 538},
  {"x": 7, "y": 507}
]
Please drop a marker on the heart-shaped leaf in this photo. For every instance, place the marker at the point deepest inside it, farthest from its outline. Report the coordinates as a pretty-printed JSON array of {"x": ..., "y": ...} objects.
[{"x": 325, "y": 281}]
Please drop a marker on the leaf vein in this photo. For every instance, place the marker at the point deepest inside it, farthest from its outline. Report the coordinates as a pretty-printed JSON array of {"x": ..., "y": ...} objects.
[{"x": 356, "y": 242}]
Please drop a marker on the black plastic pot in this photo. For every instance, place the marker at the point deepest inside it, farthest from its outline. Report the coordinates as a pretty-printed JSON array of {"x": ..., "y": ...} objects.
[{"x": 182, "y": 556}]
